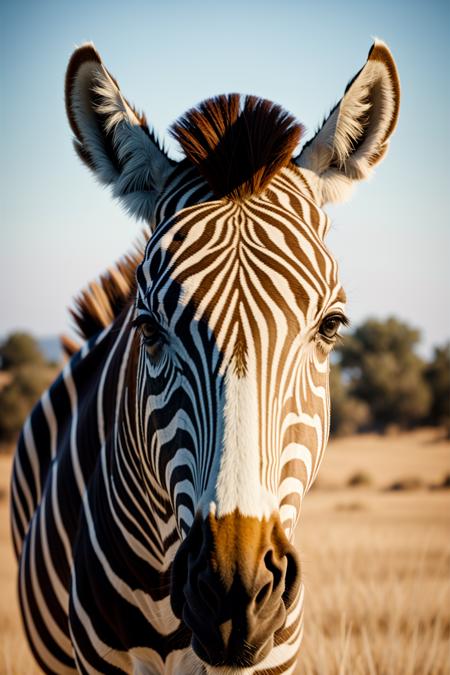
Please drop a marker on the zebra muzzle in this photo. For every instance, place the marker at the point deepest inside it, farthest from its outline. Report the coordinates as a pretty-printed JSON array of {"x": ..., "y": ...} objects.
[{"x": 233, "y": 581}]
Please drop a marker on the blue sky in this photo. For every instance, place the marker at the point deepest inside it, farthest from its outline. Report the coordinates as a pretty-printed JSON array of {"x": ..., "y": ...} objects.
[{"x": 59, "y": 228}]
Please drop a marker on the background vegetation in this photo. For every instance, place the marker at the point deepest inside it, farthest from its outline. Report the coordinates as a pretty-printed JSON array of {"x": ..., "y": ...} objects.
[
  {"x": 24, "y": 375},
  {"x": 378, "y": 381}
]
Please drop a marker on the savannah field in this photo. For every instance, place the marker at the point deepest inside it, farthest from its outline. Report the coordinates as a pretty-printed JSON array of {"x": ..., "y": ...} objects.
[{"x": 375, "y": 557}]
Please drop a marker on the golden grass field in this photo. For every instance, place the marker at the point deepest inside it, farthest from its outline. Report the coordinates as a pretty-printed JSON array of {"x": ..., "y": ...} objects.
[{"x": 376, "y": 563}]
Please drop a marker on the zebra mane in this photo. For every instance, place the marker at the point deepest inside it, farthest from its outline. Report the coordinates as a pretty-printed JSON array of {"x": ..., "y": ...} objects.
[
  {"x": 103, "y": 300},
  {"x": 238, "y": 143}
]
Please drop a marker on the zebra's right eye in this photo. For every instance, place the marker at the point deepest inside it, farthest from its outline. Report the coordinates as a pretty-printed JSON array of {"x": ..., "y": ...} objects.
[
  {"x": 149, "y": 331},
  {"x": 152, "y": 337},
  {"x": 152, "y": 340}
]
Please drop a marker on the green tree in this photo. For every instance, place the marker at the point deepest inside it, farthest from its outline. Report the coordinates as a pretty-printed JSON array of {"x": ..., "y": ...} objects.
[
  {"x": 19, "y": 396},
  {"x": 437, "y": 374},
  {"x": 348, "y": 414},
  {"x": 19, "y": 349},
  {"x": 13, "y": 411},
  {"x": 385, "y": 372},
  {"x": 28, "y": 375}
]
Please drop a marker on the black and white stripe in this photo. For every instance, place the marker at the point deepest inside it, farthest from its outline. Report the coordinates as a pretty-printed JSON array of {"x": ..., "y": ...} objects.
[{"x": 206, "y": 397}]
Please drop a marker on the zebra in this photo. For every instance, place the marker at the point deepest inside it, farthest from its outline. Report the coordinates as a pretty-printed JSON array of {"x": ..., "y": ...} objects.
[{"x": 157, "y": 484}]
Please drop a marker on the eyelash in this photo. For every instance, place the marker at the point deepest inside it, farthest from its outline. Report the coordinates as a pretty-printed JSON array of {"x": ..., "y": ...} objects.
[{"x": 340, "y": 319}]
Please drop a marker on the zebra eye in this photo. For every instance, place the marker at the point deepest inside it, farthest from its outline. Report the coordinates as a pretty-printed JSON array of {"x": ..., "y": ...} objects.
[
  {"x": 331, "y": 324},
  {"x": 151, "y": 334},
  {"x": 152, "y": 339},
  {"x": 149, "y": 331}
]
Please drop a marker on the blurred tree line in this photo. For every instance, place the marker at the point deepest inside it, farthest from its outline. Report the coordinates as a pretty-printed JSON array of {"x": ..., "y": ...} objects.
[
  {"x": 24, "y": 375},
  {"x": 377, "y": 381}
]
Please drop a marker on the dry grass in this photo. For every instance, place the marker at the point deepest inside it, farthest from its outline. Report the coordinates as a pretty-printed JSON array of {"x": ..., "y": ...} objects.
[
  {"x": 385, "y": 459},
  {"x": 377, "y": 582},
  {"x": 376, "y": 565},
  {"x": 15, "y": 656}
]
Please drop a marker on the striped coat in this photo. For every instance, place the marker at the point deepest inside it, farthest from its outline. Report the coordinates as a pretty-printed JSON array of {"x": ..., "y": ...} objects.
[{"x": 158, "y": 482}]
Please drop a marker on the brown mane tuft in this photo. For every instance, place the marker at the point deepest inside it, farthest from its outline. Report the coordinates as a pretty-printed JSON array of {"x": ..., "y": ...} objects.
[
  {"x": 237, "y": 143},
  {"x": 102, "y": 301}
]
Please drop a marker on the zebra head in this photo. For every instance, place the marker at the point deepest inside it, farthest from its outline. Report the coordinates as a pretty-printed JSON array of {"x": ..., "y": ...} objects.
[{"x": 238, "y": 305}]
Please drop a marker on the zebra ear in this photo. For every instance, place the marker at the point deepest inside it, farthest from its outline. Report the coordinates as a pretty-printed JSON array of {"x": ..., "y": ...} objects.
[
  {"x": 356, "y": 134},
  {"x": 111, "y": 138}
]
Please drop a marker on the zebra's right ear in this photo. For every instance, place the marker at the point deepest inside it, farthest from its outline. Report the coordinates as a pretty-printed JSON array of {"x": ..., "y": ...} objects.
[
  {"x": 111, "y": 138},
  {"x": 356, "y": 134}
]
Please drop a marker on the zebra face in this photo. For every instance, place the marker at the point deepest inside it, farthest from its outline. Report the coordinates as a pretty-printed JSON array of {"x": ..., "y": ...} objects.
[{"x": 238, "y": 306}]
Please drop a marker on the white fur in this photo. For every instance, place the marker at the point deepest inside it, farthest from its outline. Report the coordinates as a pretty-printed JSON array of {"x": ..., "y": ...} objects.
[
  {"x": 332, "y": 164},
  {"x": 145, "y": 166},
  {"x": 238, "y": 483},
  {"x": 85, "y": 118}
]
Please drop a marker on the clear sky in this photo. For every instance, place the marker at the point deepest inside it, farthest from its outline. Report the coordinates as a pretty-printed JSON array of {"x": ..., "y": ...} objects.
[{"x": 59, "y": 228}]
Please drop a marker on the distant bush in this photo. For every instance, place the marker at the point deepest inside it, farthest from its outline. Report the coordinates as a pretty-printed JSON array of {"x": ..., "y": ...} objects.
[
  {"x": 32, "y": 380},
  {"x": 13, "y": 411},
  {"x": 385, "y": 373},
  {"x": 28, "y": 377},
  {"x": 19, "y": 349},
  {"x": 443, "y": 485},
  {"x": 348, "y": 414},
  {"x": 446, "y": 482},
  {"x": 411, "y": 483},
  {"x": 360, "y": 479},
  {"x": 437, "y": 375}
]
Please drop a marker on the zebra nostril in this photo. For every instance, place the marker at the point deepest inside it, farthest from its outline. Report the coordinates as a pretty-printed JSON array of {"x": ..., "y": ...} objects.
[
  {"x": 263, "y": 595},
  {"x": 292, "y": 579},
  {"x": 276, "y": 568},
  {"x": 285, "y": 569}
]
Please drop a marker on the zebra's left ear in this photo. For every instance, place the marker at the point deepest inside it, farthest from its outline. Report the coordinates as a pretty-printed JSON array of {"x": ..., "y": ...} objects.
[
  {"x": 111, "y": 138},
  {"x": 356, "y": 134}
]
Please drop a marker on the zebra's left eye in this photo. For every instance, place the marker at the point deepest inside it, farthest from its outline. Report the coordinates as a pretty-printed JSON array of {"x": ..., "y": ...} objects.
[
  {"x": 331, "y": 324},
  {"x": 152, "y": 337}
]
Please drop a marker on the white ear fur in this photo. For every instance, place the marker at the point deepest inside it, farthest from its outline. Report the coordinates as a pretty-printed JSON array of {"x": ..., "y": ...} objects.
[
  {"x": 111, "y": 138},
  {"x": 356, "y": 134}
]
